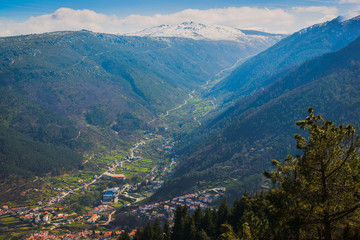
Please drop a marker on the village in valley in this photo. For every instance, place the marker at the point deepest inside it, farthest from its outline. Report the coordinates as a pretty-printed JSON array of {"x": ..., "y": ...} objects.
[
  {"x": 166, "y": 209},
  {"x": 119, "y": 188},
  {"x": 87, "y": 203}
]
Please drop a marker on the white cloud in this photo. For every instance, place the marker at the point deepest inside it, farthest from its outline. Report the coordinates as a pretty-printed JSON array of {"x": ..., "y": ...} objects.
[
  {"x": 274, "y": 20},
  {"x": 61, "y": 19},
  {"x": 313, "y": 15},
  {"x": 320, "y": 9},
  {"x": 234, "y": 17}
]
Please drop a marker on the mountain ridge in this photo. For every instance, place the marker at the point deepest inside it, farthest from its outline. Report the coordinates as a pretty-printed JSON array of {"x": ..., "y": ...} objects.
[
  {"x": 200, "y": 31},
  {"x": 258, "y": 71}
]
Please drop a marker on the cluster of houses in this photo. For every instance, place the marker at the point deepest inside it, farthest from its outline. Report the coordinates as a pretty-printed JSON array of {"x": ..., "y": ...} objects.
[
  {"x": 202, "y": 199},
  {"x": 45, "y": 215},
  {"x": 70, "y": 190},
  {"x": 152, "y": 135},
  {"x": 36, "y": 214},
  {"x": 87, "y": 234},
  {"x": 100, "y": 209},
  {"x": 65, "y": 188},
  {"x": 93, "y": 218},
  {"x": 42, "y": 235},
  {"x": 149, "y": 185}
]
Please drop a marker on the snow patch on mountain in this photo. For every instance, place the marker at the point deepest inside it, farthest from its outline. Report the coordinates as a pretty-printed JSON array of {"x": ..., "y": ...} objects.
[{"x": 199, "y": 31}]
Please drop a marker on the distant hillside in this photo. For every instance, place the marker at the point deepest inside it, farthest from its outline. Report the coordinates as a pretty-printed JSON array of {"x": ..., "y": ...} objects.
[
  {"x": 261, "y": 70},
  {"x": 261, "y": 128},
  {"x": 86, "y": 91},
  {"x": 34, "y": 140}
]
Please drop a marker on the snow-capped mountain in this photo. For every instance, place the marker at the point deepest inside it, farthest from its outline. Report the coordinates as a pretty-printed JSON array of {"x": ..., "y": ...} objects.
[{"x": 199, "y": 31}]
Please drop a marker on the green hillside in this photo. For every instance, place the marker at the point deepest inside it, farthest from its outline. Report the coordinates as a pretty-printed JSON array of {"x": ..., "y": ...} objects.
[
  {"x": 35, "y": 140},
  {"x": 260, "y": 71},
  {"x": 86, "y": 92},
  {"x": 261, "y": 128},
  {"x": 22, "y": 155}
]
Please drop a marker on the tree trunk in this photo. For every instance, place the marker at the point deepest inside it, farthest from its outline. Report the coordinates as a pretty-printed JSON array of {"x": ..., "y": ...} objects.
[{"x": 328, "y": 231}]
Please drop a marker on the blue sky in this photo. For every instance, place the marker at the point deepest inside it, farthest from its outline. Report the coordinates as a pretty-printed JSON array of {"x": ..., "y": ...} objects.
[
  {"x": 22, "y": 9},
  {"x": 120, "y": 16}
]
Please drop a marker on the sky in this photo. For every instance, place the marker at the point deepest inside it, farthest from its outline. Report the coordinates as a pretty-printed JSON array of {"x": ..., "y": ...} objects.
[{"x": 18, "y": 17}]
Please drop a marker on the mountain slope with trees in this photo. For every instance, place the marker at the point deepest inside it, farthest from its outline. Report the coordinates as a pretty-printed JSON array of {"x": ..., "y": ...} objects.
[
  {"x": 82, "y": 91},
  {"x": 263, "y": 69},
  {"x": 244, "y": 139}
]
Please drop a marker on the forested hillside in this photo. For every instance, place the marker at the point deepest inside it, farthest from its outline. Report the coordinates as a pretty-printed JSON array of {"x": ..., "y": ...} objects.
[
  {"x": 34, "y": 140},
  {"x": 263, "y": 69},
  {"x": 261, "y": 128},
  {"x": 88, "y": 92}
]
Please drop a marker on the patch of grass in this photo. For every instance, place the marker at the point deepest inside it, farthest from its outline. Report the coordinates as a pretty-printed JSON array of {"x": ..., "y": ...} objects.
[
  {"x": 117, "y": 205},
  {"x": 147, "y": 160},
  {"x": 9, "y": 220},
  {"x": 194, "y": 100},
  {"x": 4, "y": 236}
]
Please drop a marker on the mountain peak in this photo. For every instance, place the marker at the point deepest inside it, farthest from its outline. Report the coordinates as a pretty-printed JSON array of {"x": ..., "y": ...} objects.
[
  {"x": 199, "y": 31},
  {"x": 339, "y": 21}
]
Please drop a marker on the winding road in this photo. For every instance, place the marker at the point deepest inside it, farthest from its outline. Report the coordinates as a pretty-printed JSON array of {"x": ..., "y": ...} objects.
[{"x": 175, "y": 108}]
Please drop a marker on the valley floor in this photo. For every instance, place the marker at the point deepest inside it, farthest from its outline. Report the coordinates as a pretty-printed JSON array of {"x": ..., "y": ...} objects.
[{"x": 74, "y": 204}]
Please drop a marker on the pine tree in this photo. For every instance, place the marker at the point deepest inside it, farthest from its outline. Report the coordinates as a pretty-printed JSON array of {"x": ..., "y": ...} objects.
[
  {"x": 148, "y": 232},
  {"x": 208, "y": 223},
  {"x": 237, "y": 211},
  {"x": 201, "y": 235},
  {"x": 189, "y": 229},
  {"x": 245, "y": 232},
  {"x": 198, "y": 215},
  {"x": 138, "y": 234},
  {"x": 179, "y": 223},
  {"x": 324, "y": 182},
  {"x": 167, "y": 231},
  {"x": 222, "y": 215},
  {"x": 158, "y": 232},
  {"x": 227, "y": 233}
]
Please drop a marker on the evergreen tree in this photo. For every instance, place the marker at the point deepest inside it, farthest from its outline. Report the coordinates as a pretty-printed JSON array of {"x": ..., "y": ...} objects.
[
  {"x": 198, "y": 215},
  {"x": 148, "y": 232},
  {"x": 208, "y": 223},
  {"x": 246, "y": 232},
  {"x": 158, "y": 232},
  {"x": 179, "y": 223},
  {"x": 124, "y": 236},
  {"x": 227, "y": 233},
  {"x": 237, "y": 211},
  {"x": 324, "y": 182},
  {"x": 189, "y": 229},
  {"x": 222, "y": 215},
  {"x": 201, "y": 235},
  {"x": 138, "y": 234},
  {"x": 167, "y": 231}
]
